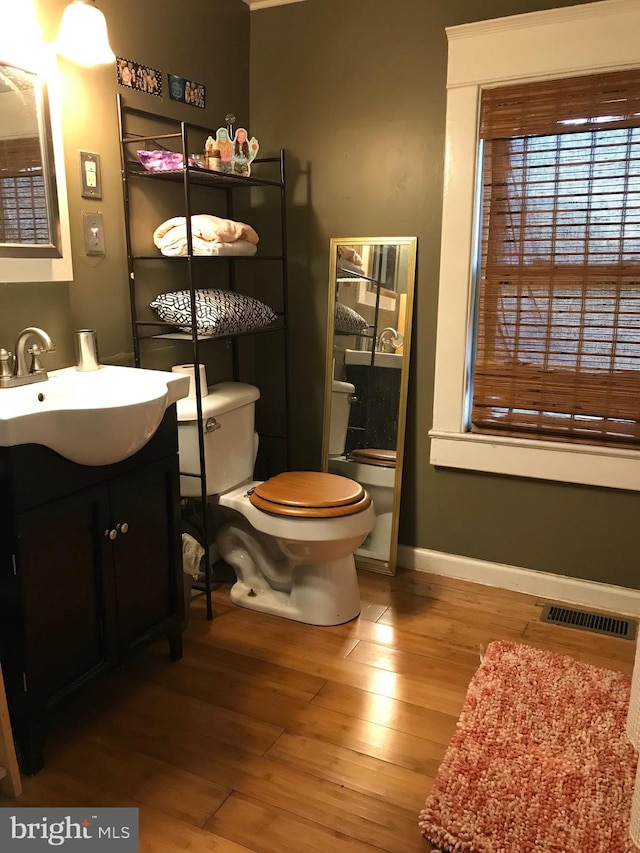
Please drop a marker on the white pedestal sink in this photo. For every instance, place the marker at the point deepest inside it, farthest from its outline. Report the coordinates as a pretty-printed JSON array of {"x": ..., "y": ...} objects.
[
  {"x": 92, "y": 418},
  {"x": 380, "y": 359}
]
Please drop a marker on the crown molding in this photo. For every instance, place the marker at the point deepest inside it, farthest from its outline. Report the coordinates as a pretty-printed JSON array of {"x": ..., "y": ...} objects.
[
  {"x": 602, "y": 9},
  {"x": 254, "y": 5}
]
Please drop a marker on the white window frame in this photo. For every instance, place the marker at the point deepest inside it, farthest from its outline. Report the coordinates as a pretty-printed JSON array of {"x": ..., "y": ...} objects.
[{"x": 595, "y": 37}]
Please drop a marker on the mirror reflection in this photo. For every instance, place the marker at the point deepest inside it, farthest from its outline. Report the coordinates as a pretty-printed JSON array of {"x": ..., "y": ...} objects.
[
  {"x": 370, "y": 311},
  {"x": 29, "y": 220}
]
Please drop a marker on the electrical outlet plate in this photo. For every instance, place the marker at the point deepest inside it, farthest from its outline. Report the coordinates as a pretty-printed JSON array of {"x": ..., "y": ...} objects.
[
  {"x": 93, "y": 228},
  {"x": 90, "y": 178}
]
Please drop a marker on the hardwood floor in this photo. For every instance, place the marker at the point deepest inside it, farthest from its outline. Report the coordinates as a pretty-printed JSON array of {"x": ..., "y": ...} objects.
[{"x": 276, "y": 737}]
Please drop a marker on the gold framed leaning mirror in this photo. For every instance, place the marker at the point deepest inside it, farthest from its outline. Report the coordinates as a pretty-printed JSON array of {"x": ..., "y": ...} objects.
[{"x": 371, "y": 285}]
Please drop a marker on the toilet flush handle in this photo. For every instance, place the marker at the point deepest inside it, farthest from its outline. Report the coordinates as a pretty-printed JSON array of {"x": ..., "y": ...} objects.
[
  {"x": 351, "y": 399},
  {"x": 211, "y": 425}
]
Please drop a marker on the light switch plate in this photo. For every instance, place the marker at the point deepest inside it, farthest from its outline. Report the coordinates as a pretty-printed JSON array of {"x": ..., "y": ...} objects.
[
  {"x": 90, "y": 178},
  {"x": 93, "y": 228}
]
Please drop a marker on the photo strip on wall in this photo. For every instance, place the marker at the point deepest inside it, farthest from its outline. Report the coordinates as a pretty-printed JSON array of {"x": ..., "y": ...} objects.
[
  {"x": 141, "y": 78},
  {"x": 187, "y": 91}
]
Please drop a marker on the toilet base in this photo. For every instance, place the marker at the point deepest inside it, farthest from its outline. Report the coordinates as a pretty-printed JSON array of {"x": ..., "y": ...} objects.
[
  {"x": 377, "y": 545},
  {"x": 321, "y": 594}
]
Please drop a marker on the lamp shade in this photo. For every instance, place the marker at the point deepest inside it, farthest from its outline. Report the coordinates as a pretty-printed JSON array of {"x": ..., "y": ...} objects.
[
  {"x": 83, "y": 35},
  {"x": 20, "y": 35}
]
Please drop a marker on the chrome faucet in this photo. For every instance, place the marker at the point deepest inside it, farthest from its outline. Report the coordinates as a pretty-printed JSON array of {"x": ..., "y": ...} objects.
[
  {"x": 21, "y": 374},
  {"x": 389, "y": 340},
  {"x": 47, "y": 345}
]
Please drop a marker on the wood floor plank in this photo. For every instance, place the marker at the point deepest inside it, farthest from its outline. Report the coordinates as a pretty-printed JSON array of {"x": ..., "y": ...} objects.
[
  {"x": 453, "y": 622},
  {"x": 461, "y": 592},
  {"x": 268, "y": 829},
  {"x": 368, "y": 738},
  {"x": 453, "y": 669},
  {"x": 199, "y": 753},
  {"x": 232, "y": 658},
  {"x": 271, "y": 736},
  {"x": 326, "y": 665},
  {"x": 333, "y": 805},
  {"x": 597, "y": 649},
  {"x": 438, "y": 637},
  {"x": 393, "y": 784},
  {"x": 240, "y": 729},
  {"x": 259, "y": 627},
  {"x": 246, "y": 696},
  {"x": 161, "y": 833},
  {"x": 433, "y": 726},
  {"x": 371, "y": 612},
  {"x": 128, "y": 774}
]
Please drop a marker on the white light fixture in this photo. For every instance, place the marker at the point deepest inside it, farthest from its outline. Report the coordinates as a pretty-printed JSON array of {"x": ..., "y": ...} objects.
[
  {"x": 20, "y": 35},
  {"x": 83, "y": 35}
]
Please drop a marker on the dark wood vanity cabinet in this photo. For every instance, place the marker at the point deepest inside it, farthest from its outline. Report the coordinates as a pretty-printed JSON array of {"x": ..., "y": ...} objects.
[{"x": 90, "y": 569}]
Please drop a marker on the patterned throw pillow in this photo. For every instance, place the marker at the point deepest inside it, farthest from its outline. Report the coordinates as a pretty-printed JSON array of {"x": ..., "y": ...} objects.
[
  {"x": 218, "y": 312},
  {"x": 349, "y": 321}
]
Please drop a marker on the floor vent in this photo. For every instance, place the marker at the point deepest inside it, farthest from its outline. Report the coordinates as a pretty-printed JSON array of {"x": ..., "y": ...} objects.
[{"x": 571, "y": 618}]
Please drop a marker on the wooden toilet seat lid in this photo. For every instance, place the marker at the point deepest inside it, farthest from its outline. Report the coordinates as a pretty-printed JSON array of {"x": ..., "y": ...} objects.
[
  {"x": 374, "y": 456},
  {"x": 310, "y": 494}
]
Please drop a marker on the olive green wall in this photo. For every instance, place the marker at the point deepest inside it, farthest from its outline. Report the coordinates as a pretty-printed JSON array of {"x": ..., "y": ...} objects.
[
  {"x": 200, "y": 40},
  {"x": 355, "y": 91}
]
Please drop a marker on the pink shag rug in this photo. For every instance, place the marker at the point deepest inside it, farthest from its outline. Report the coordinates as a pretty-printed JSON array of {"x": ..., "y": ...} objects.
[{"x": 539, "y": 762}]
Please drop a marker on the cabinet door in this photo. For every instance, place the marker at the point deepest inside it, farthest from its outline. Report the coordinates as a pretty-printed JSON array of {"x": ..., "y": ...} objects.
[
  {"x": 60, "y": 570},
  {"x": 146, "y": 551}
]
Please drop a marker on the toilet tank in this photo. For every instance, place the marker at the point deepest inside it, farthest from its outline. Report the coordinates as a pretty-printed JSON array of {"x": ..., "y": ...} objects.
[
  {"x": 341, "y": 398},
  {"x": 228, "y": 416}
]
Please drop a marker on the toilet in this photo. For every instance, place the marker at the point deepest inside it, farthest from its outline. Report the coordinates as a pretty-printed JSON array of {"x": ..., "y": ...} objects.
[
  {"x": 373, "y": 468},
  {"x": 289, "y": 539},
  {"x": 378, "y": 478},
  {"x": 343, "y": 395}
]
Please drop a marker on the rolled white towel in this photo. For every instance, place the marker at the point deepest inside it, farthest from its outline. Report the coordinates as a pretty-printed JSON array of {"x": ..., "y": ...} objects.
[
  {"x": 175, "y": 245},
  {"x": 349, "y": 254},
  {"x": 208, "y": 227}
]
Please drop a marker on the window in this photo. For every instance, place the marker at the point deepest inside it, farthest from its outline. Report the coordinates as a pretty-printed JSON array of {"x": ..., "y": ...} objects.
[
  {"x": 552, "y": 241},
  {"x": 22, "y": 189},
  {"x": 557, "y": 337}
]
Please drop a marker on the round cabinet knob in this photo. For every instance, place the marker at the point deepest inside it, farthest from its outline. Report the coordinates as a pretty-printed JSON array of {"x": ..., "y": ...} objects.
[
  {"x": 111, "y": 534},
  {"x": 123, "y": 528}
]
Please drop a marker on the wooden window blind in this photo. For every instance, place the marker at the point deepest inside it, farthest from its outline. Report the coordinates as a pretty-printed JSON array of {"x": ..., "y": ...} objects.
[{"x": 557, "y": 343}]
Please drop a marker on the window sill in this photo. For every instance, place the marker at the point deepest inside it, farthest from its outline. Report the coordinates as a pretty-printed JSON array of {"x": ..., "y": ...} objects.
[
  {"x": 545, "y": 460},
  {"x": 581, "y": 39}
]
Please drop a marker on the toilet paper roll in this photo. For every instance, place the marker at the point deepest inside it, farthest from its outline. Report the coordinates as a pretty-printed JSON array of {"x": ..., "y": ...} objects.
[{"x": 189, "y": 369}]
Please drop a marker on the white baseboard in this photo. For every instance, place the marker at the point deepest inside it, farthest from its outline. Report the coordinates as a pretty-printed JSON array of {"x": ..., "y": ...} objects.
[{"x": 599, "y": 596}]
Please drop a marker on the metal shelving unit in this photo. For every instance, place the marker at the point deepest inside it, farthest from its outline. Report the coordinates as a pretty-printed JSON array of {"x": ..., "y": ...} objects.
[{"x": 179, "y": 139}]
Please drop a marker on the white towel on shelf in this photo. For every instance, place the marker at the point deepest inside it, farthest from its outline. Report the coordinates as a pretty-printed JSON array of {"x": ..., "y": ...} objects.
[
  {"x": 207, "y": 227},
  {"x": 347, "y": 253},
  {"x": 175, "y": 244}
]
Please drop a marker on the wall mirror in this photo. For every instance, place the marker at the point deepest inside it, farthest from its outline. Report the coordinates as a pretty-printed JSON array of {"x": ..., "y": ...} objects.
[
  {"x": 371, "y": 283},
  {"x": 34, "y": 238}
]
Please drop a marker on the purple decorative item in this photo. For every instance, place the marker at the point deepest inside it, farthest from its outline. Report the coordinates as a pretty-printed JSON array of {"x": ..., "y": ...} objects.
[{"x": 163, "y": 161}]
